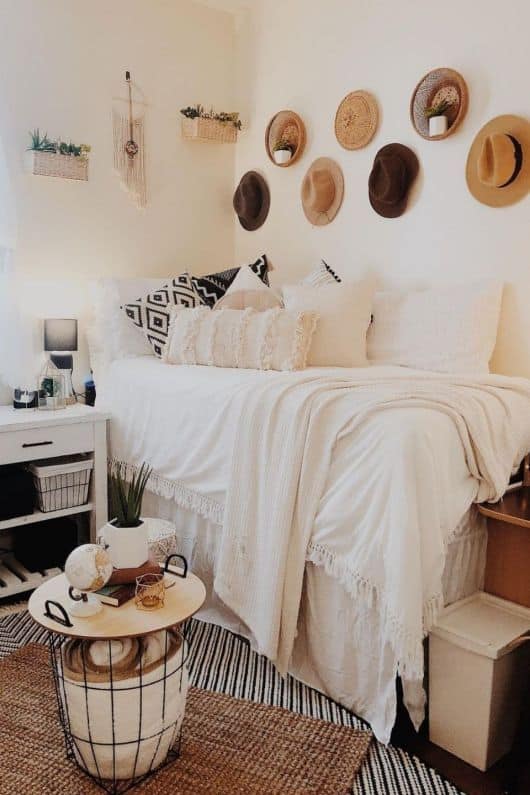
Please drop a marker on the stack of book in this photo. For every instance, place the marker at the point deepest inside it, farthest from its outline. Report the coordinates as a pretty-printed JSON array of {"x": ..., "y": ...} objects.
[{"x": 122, "y": 584}]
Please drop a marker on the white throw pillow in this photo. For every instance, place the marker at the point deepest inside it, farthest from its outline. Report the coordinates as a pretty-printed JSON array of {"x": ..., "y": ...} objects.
[
  {"x": 271, "y": 340},
  {"x": 344, "y": 316},
  {"x": 248, "y": 291},
  {"x": 447, "y": 329},
  {"x": 114, "y": 335}
]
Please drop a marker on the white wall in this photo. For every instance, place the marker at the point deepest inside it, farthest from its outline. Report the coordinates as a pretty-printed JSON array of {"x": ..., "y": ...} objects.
[
  {"x": 307, "y": 55},
  {"x": 61, "y": 63}
]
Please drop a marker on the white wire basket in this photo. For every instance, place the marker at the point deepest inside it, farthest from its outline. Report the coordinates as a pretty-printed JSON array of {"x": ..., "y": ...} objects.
[{"x": 62, "y": 482}]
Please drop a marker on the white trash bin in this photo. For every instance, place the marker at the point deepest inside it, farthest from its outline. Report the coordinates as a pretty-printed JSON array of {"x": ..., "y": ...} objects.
[{"x": 475, "y": 681}]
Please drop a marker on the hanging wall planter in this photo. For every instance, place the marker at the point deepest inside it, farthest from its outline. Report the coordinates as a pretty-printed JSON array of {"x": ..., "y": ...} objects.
[
  {"x": 285, "y": 138},
  {"x": 439, "y": 104},
  {"x": 208, "y": 126},
  {"x": 46, "y": 158}
]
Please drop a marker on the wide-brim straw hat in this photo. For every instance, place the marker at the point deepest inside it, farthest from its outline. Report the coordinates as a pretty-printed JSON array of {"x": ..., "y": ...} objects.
[
  {"x": 393, "y": 173},
  {"x": 498, "y": 163},
  {"x": 322, "y": 191},
  {"x": 252, "y": 200}
]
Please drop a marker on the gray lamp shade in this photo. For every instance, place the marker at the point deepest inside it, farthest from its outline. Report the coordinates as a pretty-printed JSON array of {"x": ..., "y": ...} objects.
[{"x": 60, "y": 334}]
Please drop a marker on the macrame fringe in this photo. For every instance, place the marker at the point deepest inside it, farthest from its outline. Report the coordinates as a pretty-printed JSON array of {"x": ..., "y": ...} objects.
[
  {"x": 131, "y": 171},
  {"x": 174, "y": 490},
  {"x": 407, "y": 646}
]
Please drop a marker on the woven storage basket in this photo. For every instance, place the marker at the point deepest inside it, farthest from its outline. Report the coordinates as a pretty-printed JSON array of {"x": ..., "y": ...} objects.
[
  {"x": 49, "y": 164},
  {"x": 209, "y": 130},
  {"x": 62, "y": 482}
]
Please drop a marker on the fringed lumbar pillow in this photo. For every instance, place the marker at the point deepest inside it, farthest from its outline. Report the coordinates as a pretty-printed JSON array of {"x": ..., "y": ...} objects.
[
  {"x": 152, "y": 313},
  {"x": 272, "y": 340},
  {"x": 213, "y": 286}
]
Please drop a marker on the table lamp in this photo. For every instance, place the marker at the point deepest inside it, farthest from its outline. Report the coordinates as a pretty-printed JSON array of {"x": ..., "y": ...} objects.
[{"x": 60, "y": 339}]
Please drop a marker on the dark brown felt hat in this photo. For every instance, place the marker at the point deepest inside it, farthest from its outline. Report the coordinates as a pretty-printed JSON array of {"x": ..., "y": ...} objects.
[
  {"x": 252, "y": 200},
  {"x": 395, "y": 169}
]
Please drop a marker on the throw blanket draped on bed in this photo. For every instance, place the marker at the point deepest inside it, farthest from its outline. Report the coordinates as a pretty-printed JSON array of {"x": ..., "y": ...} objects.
[
  {"x": 282, "y": 451},
  {"x": 282, "y": 431}
]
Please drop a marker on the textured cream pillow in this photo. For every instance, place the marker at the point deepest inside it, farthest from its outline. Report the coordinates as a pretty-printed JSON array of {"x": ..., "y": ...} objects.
[
  {"x": 447, "y": 329},
  {"x": 248, "y": 291},
  {"x": 344, "y": 312},
  {"x": 271, "y": 340}
]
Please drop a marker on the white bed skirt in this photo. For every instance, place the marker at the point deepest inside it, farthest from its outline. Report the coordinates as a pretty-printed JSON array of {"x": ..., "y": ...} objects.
[{"x": 337, "y": 641}]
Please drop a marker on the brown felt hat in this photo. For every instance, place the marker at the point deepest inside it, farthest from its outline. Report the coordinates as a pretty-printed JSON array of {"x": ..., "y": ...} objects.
[
  {"x": 322, "y": 191},
  {"x": 252, "y": 200},
  {"x": 498, "y": 164},
  {"x": 395, "y": 169}
]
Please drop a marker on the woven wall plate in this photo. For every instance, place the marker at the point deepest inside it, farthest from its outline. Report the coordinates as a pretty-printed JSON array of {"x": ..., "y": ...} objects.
[
  {"x": 434, "y": 87},
  {"x": 356, "y": 120},
  {"x": 285, "y": 125}
]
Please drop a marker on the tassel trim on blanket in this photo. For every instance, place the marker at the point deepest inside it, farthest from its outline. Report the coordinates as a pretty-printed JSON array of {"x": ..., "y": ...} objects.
[{"x": 407, "y": 646}]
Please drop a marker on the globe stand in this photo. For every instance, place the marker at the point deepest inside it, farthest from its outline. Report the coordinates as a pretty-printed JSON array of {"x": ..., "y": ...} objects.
[{"x": 83, "y": 605}]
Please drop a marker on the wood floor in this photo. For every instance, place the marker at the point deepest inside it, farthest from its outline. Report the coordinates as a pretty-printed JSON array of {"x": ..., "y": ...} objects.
[{"x": 509, "y": 775}]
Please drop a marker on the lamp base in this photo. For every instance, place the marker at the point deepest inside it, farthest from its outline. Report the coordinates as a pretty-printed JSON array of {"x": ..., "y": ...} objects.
[{"x": 65, "y": 364}]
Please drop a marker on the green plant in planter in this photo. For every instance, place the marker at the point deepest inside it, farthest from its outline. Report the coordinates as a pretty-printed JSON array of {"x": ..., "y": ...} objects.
[
  {"x": 282, "y": 145},
  {"x": 437, "y": 110},
  {"x": 198, "y": 112},
  {"x": 40, "y": 143},
  {"x": 126, "y": 496}
]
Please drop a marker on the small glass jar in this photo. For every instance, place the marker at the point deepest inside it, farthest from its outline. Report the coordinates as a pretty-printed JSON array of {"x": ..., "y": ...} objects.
[
  {"x": 150, "y": 591},
  {"x": 51, "y": 388}
]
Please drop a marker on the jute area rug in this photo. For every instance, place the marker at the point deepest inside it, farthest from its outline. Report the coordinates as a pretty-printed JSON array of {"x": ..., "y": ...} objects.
[{"x": 229, "y": 746}]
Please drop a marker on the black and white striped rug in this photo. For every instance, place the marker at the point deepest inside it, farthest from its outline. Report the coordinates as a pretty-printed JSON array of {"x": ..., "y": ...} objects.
[{"x": 224, "y": 662}]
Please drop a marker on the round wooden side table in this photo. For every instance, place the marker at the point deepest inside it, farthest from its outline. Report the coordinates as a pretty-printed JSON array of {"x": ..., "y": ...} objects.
[{"x": 120, "y": 679}]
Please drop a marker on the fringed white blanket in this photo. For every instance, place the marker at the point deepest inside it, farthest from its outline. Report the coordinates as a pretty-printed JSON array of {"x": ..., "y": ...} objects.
[
  {"x": 283, "y": 446},
  {"x": 272, "y": 457}
]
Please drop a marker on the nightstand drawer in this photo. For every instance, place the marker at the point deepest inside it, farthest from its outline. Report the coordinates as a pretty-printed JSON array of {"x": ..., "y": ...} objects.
[{"x": 46, "y": 442}]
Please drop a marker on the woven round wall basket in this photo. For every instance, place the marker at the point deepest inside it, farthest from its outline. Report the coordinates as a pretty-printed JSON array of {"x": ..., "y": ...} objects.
[
  {"x": 437, "y": 86},
  {"x": 356, "y": 120},
  {"x": 288, "y": 128}
]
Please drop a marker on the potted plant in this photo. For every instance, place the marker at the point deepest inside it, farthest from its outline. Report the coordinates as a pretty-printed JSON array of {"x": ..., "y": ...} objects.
[
  {"x": 57, "y": 158},
  {"x": 282, "y": 151},
  {"x": 126, "y": 535},
  {"x": 436, "y": 114}
]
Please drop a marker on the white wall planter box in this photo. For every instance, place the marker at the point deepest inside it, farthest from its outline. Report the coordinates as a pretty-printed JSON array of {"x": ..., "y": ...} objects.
[
  {"x": 475, "y": 682},
  {"x": 49, "y": 164},
  {"x": 208, "y": 131}
]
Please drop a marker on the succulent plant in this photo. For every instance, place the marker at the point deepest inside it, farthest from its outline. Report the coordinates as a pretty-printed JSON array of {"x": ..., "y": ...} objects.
[
  {"x": 437, "y": 110},
  {"x": 283, "y": 145},
  {"x": 198, "y": 112},
  {"x": 126, "y": 496}
]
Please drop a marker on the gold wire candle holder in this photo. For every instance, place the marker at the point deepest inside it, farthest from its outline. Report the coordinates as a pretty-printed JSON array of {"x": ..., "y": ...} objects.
[{"x": 150, "y": 592}]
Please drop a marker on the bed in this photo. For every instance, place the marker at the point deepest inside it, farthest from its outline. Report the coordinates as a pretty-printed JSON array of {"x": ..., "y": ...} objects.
[{"x": 393, "y": 534}]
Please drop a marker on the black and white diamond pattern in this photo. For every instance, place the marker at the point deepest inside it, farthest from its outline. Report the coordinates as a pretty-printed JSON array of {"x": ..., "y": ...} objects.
[
  {"x": 152, "y": 313},
  {"x": 212, "y": 287}
]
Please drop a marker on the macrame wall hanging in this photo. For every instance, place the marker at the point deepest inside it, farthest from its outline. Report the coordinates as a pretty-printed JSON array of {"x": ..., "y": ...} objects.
[{"x": 129, "y": 148}]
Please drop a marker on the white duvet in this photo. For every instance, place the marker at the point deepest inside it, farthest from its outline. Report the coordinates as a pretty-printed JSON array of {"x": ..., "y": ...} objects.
[{"x": 396, "y": 483}]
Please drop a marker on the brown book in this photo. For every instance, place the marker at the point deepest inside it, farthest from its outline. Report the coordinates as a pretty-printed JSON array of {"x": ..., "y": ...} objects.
[
  {"x": 125, "y": 576},
  {"x": 116, "y": 595}
]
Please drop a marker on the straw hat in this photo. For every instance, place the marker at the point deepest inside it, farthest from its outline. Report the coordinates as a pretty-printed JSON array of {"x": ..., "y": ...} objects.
[
  {"x": 356, "y": 120},
  {"x": 498, "y": 164},
  {"x": 252, "y": 201},
  {"x": 395, "y": 169},
  {"x": 322, "y": 191}
]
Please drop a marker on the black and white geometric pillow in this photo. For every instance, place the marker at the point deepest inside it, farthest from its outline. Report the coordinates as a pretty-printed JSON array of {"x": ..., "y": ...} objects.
[
  {"x": 321, "y": 275},
  {"x": 212, "y": 287},
  {"x": 152, "y": 313}
]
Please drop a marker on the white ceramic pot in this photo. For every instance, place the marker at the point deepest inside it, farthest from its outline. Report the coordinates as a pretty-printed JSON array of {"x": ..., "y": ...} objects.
[
  {"x": 437, "y": 125},
  {"x": 282, "y": 156},
  {"x": 128, "y": 547}
]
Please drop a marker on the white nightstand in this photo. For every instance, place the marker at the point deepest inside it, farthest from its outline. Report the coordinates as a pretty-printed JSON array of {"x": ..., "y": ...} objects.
[{"x": 33, "y": 435}]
